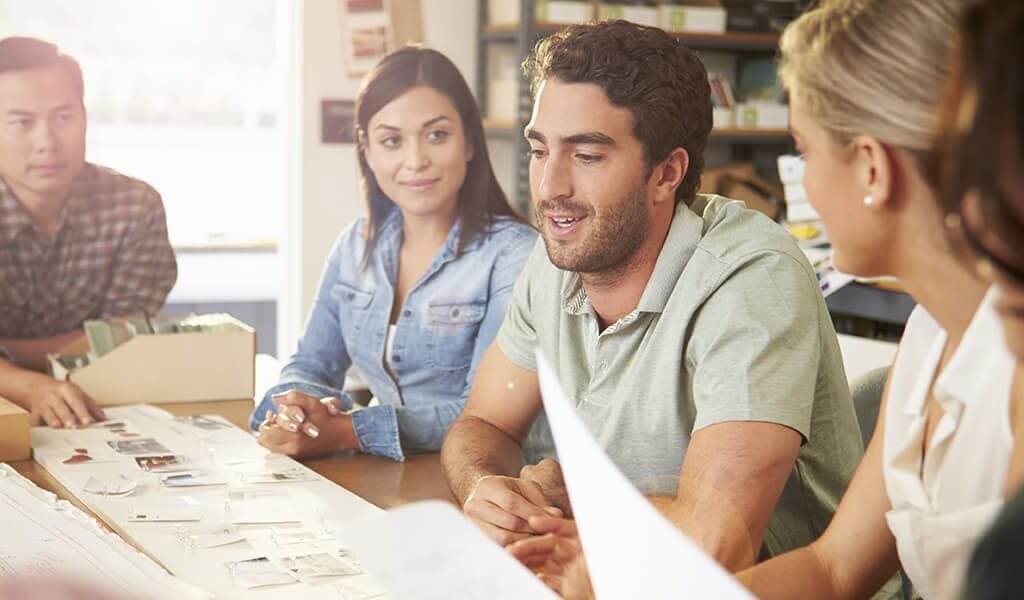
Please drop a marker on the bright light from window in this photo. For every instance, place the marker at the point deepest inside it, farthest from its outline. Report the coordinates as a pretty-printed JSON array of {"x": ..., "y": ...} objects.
[{"x": 184, "y": 94}]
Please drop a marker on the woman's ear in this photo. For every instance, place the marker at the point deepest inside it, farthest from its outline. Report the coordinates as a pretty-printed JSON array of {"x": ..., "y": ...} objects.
[{"x": 874, "y": 171}]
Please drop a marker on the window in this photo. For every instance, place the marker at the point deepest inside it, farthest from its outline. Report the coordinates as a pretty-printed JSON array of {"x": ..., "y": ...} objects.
[{"x": 188, "y": 95}]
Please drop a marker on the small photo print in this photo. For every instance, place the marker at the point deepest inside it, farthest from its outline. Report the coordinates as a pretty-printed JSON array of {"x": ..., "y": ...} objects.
[
  {"x": 204, "y": 423},
  {"x": 190, "y": 479},
  {"x": 139, "y": 447},
  {"x": 320, "y": 564},
  {"x": 162, "y": 463},
  {"x": 291, "y": 475},
  {"x": 110, "y": 424},
  {"x": 258, "y": 572}
]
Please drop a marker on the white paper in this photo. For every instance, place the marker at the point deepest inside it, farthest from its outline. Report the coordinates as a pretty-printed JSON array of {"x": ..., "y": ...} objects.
[
  {"x": 429, "y": 551},
  {"x": 632, "y": 550},
  {"x": 315, "y": 502},
  {"x": 50, "y": 537}
]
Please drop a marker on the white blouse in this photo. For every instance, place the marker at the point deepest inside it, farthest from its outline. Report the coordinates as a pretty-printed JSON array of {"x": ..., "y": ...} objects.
[{"x": 941, "y": 508}]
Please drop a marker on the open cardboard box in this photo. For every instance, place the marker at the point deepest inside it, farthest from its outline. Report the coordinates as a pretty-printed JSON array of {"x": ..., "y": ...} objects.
[
  {"x": 173, "y": 367},
  {"x": 14, "y": 432}
]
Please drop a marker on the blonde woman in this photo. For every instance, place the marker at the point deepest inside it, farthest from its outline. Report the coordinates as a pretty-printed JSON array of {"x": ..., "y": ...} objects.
[{"x": 865, "y": 79}]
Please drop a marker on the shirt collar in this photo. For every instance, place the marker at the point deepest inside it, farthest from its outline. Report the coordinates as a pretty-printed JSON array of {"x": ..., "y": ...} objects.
[
  {"x": 683, "y": 235},
  {"x": 982, "y": 350},
  {"x": 14, "y": 218},
  {"x": 390, "y": 233}
]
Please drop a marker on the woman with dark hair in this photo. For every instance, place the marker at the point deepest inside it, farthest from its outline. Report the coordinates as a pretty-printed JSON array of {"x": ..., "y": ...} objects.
[
  {"x": 981, "y": 155},
  {"x": 414, "y": 293}
]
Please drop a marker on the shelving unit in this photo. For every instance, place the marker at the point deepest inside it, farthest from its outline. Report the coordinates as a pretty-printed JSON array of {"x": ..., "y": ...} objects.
[{"x": 742, "y": 142}]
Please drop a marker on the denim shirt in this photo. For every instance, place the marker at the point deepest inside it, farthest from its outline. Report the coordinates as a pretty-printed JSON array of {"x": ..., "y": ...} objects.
[{"x": 449, "y": 318}]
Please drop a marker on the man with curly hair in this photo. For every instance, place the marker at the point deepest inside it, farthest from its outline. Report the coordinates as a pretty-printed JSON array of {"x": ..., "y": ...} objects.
[{"x": 688, "y": 330}]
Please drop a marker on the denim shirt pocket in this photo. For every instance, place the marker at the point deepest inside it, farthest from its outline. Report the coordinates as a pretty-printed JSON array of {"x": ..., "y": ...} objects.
[
  {"x": 354, "y": 309},
  {"x": 453, "y": 327}
]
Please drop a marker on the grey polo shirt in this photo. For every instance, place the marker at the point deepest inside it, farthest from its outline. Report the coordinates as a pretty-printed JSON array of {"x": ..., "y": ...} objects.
[{"x": 731, "y": 327}]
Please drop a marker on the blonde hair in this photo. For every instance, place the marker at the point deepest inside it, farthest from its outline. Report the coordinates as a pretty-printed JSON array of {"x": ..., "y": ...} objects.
[{"x": 872, "y": 67}]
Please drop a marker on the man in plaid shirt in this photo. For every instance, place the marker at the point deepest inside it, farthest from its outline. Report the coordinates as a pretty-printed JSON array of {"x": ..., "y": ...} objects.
[{"x": 77, "y": 241}]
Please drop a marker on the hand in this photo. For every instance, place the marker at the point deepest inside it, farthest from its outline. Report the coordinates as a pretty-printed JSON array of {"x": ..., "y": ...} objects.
[
  {"x": 575, "y": 584},
  {"x": 551, "y": 554},
  {"x": 502, "y": 507},
  {"x": 62, "y": 404},
  {"x": 548, "y": 475},
  {"x": 304, "y": 426}
]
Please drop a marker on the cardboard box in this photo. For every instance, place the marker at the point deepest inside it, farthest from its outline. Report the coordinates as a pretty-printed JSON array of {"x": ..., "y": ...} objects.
[
  {"x": 174, "y": 367},
  {"x": 14, "y": 432},
  {"x": 503, "y": 12},
  {"x": 762, "y": 115},
  {"x": 723, "y": 118},
  {"x": 741, "y": 181},
  {"x": 641, "y": 15},
  {"x": 563, "y": 12},
  {"x": 692, "y": 19}
]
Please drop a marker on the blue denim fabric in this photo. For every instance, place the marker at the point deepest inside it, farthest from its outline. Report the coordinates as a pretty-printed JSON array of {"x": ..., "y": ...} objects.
[{"x": 449, "y": 319}]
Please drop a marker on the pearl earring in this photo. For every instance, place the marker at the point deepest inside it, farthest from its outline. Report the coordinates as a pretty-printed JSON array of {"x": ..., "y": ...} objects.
[{"x": 869, "y": 200}]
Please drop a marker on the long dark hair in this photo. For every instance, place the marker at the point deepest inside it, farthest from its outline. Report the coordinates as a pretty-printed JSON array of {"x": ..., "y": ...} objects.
[
  {"x": 480, "y": 197},
  {"x": 981, "y": 125}
]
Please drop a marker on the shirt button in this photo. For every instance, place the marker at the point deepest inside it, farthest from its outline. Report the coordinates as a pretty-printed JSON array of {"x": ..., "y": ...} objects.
[
  {"x": 350, "y": 295},
  {"x": 396, "y": 358},
  {"x": 455, "y": 312},
  {"x": 406, "y": 313}
]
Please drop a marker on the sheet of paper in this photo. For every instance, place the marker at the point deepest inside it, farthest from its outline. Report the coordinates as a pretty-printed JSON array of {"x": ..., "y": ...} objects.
[
  {"x": 429, "y": 551},
  {"x": 50, "y": 537},
  {"x": 224, "y": 454},
  {"x": 632, "y": 550}
]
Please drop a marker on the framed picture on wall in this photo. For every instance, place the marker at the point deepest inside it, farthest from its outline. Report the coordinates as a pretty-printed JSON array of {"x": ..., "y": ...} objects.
[{"x": 372, "y": 28}]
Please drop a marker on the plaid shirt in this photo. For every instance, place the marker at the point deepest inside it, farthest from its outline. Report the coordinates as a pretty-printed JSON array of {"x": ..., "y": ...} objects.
[{"x": 110, "y": 257}]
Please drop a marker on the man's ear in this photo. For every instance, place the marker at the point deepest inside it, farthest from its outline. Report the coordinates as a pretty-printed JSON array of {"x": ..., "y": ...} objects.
[{"x": 668, "y": 175}]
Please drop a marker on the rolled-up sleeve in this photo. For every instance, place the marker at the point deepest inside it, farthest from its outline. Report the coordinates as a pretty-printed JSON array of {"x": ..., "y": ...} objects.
[{"x": 319, "y": 365}]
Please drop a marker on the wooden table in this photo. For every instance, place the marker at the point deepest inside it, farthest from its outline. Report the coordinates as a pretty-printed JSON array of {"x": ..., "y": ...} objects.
[{"x": 380, "y": 481}]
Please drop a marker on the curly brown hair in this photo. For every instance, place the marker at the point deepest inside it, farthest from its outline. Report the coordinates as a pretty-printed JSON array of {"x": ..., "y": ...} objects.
[{"x": 662, "y": 83}]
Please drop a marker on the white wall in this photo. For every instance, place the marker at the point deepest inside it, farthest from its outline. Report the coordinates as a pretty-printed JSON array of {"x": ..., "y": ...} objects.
[{"x": 324, "y": 186}]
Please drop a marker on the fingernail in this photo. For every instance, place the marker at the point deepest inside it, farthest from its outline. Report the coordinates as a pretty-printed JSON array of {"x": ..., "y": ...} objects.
[
  {"x": 312, "y": 431},
  {"x": 551, "y": 510}
]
